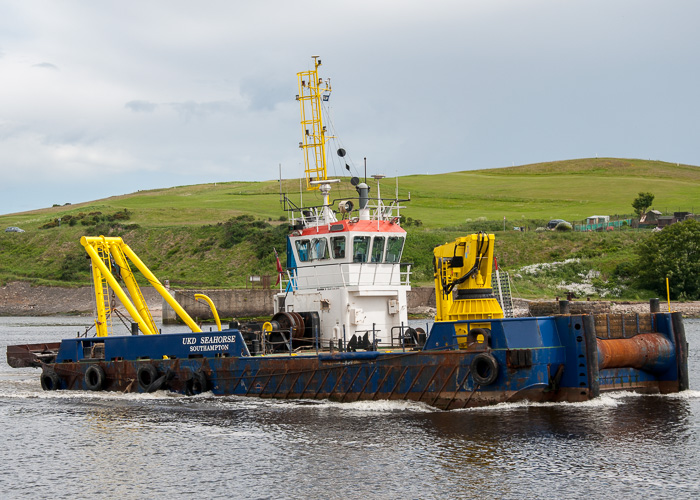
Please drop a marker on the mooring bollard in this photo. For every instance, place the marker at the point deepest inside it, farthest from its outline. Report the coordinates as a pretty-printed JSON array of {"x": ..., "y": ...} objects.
[
  {"x": 564, "y": 307},
  {"x": 654, "y": 306}
]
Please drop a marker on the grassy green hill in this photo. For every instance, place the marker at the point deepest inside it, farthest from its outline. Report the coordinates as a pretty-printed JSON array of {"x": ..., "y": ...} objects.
[
  {"x": 571, "y": 190},
  {"x": 179, "y": 232}
]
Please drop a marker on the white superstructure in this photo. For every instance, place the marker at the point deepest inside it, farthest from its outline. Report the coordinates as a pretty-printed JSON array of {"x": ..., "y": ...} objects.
[{"x": 348, "y": 271}]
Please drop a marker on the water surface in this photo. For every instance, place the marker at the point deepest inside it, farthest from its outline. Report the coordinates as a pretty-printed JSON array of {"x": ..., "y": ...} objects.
[{"x": 104, "y": 445}]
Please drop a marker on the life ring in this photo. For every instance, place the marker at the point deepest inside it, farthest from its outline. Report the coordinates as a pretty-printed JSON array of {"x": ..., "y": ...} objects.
[
  {"x": 484, "y": 368},
  {"x": 197, "y": 383},
  {"x": 50, "y": 381},
  {"x": 95, "y": 378},
  {"x": 147, "y": 376}
]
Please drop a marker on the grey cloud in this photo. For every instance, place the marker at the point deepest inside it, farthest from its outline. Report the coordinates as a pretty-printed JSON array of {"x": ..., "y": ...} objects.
[
  {"x": 141, "y": 106},
  {"x": 190, "y": 109},
  {"x": 46, "y": 65},
  {"x": 264, "y": 95}
]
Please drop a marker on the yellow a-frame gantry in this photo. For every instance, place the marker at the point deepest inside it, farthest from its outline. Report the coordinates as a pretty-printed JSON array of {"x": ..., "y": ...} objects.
[
  {"x": 110, "y": 256},
  {"x": 312, "y": 91}
]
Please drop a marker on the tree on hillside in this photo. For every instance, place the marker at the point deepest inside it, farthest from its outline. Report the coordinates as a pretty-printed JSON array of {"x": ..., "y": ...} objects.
[
  {"x": 642, "y": 202},
  {"x": 673, "y": 253}
]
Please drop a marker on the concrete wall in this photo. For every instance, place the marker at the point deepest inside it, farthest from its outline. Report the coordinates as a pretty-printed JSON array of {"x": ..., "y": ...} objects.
[
  {"x": 421, "y": 297},
  {"x": 229, "y": 304},
  {"x": 23, "y": 299},
  {"x": 256, "y": 302}
]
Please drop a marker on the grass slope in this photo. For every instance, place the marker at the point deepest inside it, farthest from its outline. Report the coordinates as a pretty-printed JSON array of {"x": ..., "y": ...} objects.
[
  {"x": 572, "y": 190},
  {"x": 180, "y": 233}
]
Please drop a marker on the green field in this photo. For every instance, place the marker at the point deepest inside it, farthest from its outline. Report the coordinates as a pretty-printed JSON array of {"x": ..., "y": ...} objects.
[
  {"x": 178, "y": 231},
  {"x": 571, "y": 190}
]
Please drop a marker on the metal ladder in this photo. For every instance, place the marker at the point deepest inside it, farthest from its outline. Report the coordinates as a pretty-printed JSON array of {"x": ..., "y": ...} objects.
[
  {"x": 104, "y": 287},
  {"x": 503, "y": 293}
]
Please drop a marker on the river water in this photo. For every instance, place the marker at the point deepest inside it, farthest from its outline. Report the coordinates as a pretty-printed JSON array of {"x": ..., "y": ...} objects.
[{"x": 102, "y": 445}]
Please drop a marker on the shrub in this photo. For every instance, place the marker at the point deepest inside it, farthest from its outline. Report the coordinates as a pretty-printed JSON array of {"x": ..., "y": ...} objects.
[
  {"x": 49, "y": 225},
  {"x": 262, "y": 235},
  {"x": 75, "y": 267},
  {"x": 673, "y": 253}
]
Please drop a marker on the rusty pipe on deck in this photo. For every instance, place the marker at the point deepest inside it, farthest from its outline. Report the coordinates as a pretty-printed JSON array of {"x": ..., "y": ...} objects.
[{"x": 650, "y": 352}]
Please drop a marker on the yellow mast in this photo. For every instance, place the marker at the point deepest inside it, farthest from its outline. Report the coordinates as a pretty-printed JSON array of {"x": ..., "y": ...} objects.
[{"x": 312, "y": 91}]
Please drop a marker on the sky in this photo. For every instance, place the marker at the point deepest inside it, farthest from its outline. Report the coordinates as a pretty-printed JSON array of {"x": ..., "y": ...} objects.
[{"x": 109, "y": 97}]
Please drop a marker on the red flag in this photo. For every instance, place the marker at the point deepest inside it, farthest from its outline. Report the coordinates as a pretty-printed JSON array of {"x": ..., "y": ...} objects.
[{"x": 280, "y": 271}]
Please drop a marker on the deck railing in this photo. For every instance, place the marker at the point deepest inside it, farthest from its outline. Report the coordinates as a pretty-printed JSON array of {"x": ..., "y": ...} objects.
[{"x": 349, "y": 275}]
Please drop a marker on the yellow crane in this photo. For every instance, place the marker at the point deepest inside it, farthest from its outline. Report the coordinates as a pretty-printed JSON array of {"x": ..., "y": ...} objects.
[{"x": 463, "y": 283}]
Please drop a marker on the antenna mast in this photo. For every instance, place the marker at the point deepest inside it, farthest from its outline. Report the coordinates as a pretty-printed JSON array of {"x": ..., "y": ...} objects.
[{"x": 312, "y": 90}]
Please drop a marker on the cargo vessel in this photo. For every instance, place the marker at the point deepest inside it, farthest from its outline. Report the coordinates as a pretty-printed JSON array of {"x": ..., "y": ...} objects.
[{"x": 340, "y": 327}]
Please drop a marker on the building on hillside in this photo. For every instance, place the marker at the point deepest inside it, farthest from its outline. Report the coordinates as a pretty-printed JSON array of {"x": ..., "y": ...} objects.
[
  {"x": 654, "y": 218},
  {"x": 649, "y": 218},
  {"x": 597, "y": 219},
  {"x": 665, "y": 220},
  {"x": 681, "y": 216}
]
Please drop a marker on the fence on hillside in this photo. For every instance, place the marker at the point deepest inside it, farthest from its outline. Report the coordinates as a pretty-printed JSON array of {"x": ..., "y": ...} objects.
[{"x": 603, "y": 226}]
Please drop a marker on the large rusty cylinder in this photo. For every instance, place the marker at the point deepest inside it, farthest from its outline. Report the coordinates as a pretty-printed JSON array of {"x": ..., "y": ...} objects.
[{"x": 650, "y": 352}]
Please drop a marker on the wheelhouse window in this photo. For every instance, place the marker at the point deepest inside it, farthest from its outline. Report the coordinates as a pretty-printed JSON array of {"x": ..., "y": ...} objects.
[
  {"x": 303, "y": 250},
  {"x": 377, "y": 249},
  {"x": 360, "y": 248},
  {"x": 338, "y": 247},
  {"x": 319, "y": 249},
  {"x": 393, "y": 249}
]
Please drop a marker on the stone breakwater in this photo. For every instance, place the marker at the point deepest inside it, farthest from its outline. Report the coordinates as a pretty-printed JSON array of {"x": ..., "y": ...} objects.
[
  {"x": 23, "y": 299},
  {"x": 551, "y": 307}
]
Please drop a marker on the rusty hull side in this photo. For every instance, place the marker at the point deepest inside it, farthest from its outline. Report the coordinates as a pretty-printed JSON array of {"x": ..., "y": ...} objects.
[
  {"x": 31, "y": 355},
  {"x": 440, "y": 379},
  {"x": 644, "y": 353}
]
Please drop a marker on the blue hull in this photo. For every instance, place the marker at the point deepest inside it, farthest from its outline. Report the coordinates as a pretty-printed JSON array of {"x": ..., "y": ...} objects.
[{"x": 556, "y": 358}]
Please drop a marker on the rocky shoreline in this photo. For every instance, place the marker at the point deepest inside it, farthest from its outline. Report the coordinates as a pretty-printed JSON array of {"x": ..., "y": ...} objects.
[{"x": 23, "y": 299}]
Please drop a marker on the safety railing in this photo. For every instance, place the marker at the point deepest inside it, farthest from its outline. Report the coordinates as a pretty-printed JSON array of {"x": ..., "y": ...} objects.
[
  {"x": 350, "y": 275},
  {"x": 314, "y": 215}
]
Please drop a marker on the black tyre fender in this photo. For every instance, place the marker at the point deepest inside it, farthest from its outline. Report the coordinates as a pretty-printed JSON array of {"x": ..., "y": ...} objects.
[
  {"x": 50, "y": 381},
  {"x": 197, "y": 383},
  {"x": 484, "y": 369},
  {"x": 148, "y": 379},
  {"x": 95, "y": 378}
]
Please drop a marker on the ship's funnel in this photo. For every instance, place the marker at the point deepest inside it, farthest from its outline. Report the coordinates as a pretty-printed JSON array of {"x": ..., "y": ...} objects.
[{"x": 363, "y": 190}]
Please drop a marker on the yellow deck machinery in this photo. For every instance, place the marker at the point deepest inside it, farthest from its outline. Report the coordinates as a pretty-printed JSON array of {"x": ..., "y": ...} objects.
[{"x": 463, "y": 284}]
